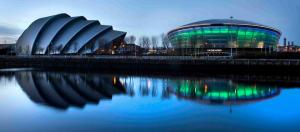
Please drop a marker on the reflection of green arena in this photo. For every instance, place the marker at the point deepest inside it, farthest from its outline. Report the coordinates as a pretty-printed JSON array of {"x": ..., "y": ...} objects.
[
  {"x": 224, "y": 33},
  {"x": 221, "y": 91}
]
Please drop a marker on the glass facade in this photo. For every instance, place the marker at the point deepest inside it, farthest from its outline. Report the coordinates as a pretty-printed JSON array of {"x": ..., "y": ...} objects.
[{"x": 227, "y": 36}]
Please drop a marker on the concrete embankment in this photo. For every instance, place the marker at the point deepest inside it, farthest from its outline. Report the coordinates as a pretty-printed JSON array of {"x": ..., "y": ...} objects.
[{"x": 153, "y": 63}]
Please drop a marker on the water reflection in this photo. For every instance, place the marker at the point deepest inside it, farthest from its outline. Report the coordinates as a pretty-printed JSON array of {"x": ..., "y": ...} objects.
[
  {"x": 204, "y": 90},
  {"x": 63, "y": 90},
  {"x": 30, "y": 100},
  {"x": 6, "y": 76},
  {"x": 213, "y": 91}
]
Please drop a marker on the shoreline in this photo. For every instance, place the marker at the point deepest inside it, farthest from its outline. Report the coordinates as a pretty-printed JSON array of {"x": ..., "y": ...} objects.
[
  {"x": 280, "y": 80},
  {"x": 167, "y": 64}
]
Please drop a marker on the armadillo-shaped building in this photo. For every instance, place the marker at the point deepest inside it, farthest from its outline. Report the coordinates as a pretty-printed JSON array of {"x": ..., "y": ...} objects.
[{"x": 62, "y": 34}]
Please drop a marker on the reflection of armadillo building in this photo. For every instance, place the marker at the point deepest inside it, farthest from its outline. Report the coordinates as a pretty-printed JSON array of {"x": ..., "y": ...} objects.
[
  {"x": 62, "y": 34},
  {"x": 66, "y": 90},
  {"x": 222, "y": 91}
]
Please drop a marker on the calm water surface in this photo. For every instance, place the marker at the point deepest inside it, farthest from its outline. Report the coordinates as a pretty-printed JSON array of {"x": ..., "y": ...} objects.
[{"x": 60, "y": 101}]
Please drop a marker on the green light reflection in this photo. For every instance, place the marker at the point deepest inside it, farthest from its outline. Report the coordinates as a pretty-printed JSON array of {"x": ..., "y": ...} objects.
[{"x": 223, "y": 90}]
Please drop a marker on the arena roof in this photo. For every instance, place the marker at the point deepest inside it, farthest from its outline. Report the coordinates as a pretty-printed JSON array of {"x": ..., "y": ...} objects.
[{"x": 233, "y": 22}]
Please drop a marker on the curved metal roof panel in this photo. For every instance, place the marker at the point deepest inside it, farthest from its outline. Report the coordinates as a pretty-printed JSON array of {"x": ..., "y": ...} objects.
[
  {"x": 98, "y": 31},
  {"x": 47, "y": 22},
  {"x": 72, "y": 32},
  {"x": 64, "y": 35},
  {"x": 26, "y": 40},
  {"x": 105, "y": 40},
  {"x": 84, "y": 37},
  {"x": 114, "y": 35},
  {"x": 48, "y": 34}
]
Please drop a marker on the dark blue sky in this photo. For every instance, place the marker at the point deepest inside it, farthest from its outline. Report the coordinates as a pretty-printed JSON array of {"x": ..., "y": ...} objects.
[{"x": 152, "y": 17}]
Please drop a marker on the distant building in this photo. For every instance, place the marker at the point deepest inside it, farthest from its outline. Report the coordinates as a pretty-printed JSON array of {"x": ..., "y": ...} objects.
[
  {"x": 284, "y": 42},
  {"x": 7, "y": 49},
  {"x": 62, "y": 34},
  {"x": 130, "y": 49},
  {"x": 288, "y": 46}
]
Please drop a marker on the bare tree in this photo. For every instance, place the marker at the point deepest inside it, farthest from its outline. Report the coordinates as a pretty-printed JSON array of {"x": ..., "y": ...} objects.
[
  {"x": 145, "y": 42},
  {"x": 127, "y": 40},
  {"x": 165, "y": 41},
  {"x": 140, "y": 42},
  {"x": 154, "y": 42},
  {"x": 130, "y": 39}
]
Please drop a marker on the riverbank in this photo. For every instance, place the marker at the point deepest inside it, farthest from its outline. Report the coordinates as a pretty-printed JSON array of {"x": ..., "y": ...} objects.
[{"x": 153, "y": 64}]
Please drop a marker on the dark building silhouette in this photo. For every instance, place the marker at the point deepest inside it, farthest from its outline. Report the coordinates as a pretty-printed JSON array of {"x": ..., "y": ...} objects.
[{"x": 7, "y": 49}]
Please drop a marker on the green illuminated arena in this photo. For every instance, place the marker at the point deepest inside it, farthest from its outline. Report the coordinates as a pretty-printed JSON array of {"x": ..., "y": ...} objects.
[{"x": 224, "y": 33}]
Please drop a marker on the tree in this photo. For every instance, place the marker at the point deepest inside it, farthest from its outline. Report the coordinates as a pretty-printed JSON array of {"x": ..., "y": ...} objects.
[
  {"x": 130, "y": 39},
  {"x": 154, "y": 42},
  {"x": 144, "y": 42},
  {"x": 140, "y": 43},
  {"x": 165, "y": 41},
  {"x": 127, "y": 40}
]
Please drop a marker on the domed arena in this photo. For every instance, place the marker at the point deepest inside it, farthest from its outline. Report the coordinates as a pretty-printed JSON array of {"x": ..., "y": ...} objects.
[{"x": 219, "y": 35}]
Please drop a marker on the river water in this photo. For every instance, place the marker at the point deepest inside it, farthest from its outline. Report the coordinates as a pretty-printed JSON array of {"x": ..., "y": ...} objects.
[{"x": 32, "y": 100}]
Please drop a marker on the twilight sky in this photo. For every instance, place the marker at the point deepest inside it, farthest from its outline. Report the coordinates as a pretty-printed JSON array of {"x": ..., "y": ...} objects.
[{"x": 151, "y": 17}]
